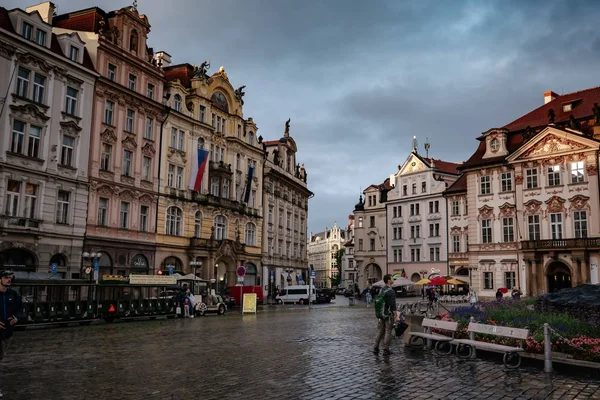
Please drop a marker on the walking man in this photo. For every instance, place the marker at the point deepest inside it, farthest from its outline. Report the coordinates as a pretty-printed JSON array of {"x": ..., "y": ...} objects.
[
  {"x": 385, "y": 309},
  {"x": 10, "y": 307}
]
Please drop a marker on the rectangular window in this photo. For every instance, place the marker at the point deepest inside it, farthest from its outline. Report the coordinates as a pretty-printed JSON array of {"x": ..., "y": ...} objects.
[
  {"x": 66, "y": 154},
  {"x": 485, "y": 185},
  {"x": 13, "y": 194},
  {"x": 26, "y": 30},
  {"x": 508, "y": 230},
  {"x": 149, "y": 127},
  {"x": 202, "y": 114},
  {"x": 112, "y": 72},
  {"x": 105, "y": 160},
  {"x": 144, "y": 210},
  {"x": 577, "y": 172},
  {"x": 405, "y": 190},
  {"x": 225, "y": 192},
  {"x": 556, "y": 226},
  {"x": 395, "y": 212},
  {"x": 360, "y": 245},
  {"x": 39, "y": 88},
  {"x": 399, "y": 211},
  {"x": 456, "y": 243},
  {"x": 71, "y": 102},
  {"x": 510, "y": 280},
  {"x": 74, "y": 54},
  {"x": 102, "y": 211},
  {"x": 371, "y": 221},
  {"x": 62, "y": 207},
  {"x": 214, "y": 186},
  {"x": 488, "y": 280},
  {"x": 30, "y": 200},
  {"x": 423, "y": 187},
  {"x": 554, "y": 175},
  {"x": 146, "y": 168},
  {"x": 455, "y": 208},
  {"x": 33, "y": 148},
  {"x": 415, "y": 255},
  {"x": 173, "y": 142},
  {"x": 23, "y": 82},
  {"x": 531, "y": 178},
  {"x": 239, "y": 132},
  {"x": 533, "y": 227},
  {"x": 171, "y": 176},
  {"x": 414, "y": 188},
  {"x": 127, "y": 159},
  {"x": 179, "y": 177},
  {"x": 486, "y": 231},
  {"x": 132, "y": 82},
  {"x": 108, "y": 112},
  {"x": 270, "y": 215},
  {"x": 580, "y": 224},
  {"x": 40, "y": 37},
  {"x": 150, "y": 91},
  {"x": 180, "y": 144},
  {"x": 506, "y": 182},
  {"x": 434, "y": 254},
  {"x": 372, "y": 244},
  {"x": 129, "y": 120},
  {"x": 124, "y": 216},
  {"x": 18, "y": 137}
]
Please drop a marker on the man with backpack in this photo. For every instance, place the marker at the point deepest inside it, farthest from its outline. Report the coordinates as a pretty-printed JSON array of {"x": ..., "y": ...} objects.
[
  {"x": 385, "y": 311},
  {"x": 10, "y": 307}
]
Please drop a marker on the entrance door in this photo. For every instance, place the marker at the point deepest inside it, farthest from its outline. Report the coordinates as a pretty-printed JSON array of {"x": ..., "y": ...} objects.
[{"x": 559, "y": 276}]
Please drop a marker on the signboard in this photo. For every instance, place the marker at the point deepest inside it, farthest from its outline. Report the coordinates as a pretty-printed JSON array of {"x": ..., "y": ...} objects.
[
  {"x": 54, "y": 267},
  {"x": 240, "y": 279},
  {"x": 152, "y": 280},
  {"x": 114, "y": 278},
  {"x": 170, "y": 270},
  {"x": 313, "y": 274},
  {"x": 249, "y": 305},
  {"x": 96, "y": 265},
  {"x": 240, "y": 271}
]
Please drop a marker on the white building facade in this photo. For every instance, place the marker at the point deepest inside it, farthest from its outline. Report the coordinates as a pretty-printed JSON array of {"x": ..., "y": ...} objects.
[
  {"x": 349, "y": 271},
  {"x": 322, "y": 249}
]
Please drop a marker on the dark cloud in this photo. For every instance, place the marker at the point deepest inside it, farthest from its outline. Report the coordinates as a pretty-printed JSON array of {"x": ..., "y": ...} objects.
[{"x": 360, "y": 79}]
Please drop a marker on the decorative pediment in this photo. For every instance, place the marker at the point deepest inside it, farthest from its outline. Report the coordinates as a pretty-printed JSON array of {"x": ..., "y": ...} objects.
[
  {"x": 177, "y": 156},
  {"x": 592, "y": 169},
  {"x": 486, "y": 212},
  {"x": 412, "y": 164},
  {"x": 555, "y": 204},
  {"x": 126, "y": 195},
  {"x": 108, "y": 136},
  {"x": 129, "y": 143},
  {"x": 507, "y": 210},
  {"x": 579, "y": 202},
  {"x": 29, "y": 110},
  {"x": 7, "y": 50},
  {"x": 455, "y": 230},
  {"x": 146, "y": 199},
  {"x": 105, "y": 190},
  {"x": 532, "y": 207},
  {"x": 70, "y": 127},
  {"x": 219, "y": 139},
  {"x": 29, "y": 59},
  {"x": 148, "y": 150},
  {"x": 552, "y": 144}
]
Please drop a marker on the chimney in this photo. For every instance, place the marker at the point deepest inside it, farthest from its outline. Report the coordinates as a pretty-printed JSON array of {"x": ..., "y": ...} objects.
[
  {"x": 549, "y": 96},
  {"x": 45, "y": 9}
]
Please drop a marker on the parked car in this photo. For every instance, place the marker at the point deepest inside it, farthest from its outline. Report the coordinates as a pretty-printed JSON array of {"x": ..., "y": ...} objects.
[
  {"x": 330, "y": 292},
  {"x": 228, "y": 300},
  {"x": 322, "y": 297},
  {"x": 339, "y": 290},
  {"x": 348, "y": 292}
]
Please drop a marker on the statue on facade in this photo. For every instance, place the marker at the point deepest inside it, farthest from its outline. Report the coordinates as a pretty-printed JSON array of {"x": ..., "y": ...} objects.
[
  {"x": 239, "y": 94},
  {"x": 573, "y": 124},
  {"x": 286, "y": 133},
  {"x": 297, "y": 170},
  {"x": 200, "y": 72},
  {"x": 551, "y": 116},
  {"x": 596, "y": 112},
  {"x": 276, "y": 157},
  {"x": 528, "y": 133}
]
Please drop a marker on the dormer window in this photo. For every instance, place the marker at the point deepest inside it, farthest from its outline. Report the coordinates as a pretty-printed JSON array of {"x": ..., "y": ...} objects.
[
  {"x": 250, "y": 138},
  {"x": 177, "y": 102},
  {"x": 40, "y": 37},
  {"x": 495, "y": 144},
  {"x": 567, "y": 107},
  {"x": 74, "y": 54},
  {"x": 133, "y": 41},
  {"x": 27, "y": 31}
]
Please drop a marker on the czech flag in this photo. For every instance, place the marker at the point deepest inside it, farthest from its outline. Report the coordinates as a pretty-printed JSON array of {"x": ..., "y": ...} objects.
[{"x": 198, "y": 167}]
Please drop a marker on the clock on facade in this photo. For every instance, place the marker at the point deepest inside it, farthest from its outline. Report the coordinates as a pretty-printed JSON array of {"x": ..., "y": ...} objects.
[{"x": 495, "y": 144}]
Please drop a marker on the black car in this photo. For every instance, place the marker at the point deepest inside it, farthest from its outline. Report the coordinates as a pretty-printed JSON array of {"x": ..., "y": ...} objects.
[
  {"x": 228, "y": 300},
  {"x": 322, "y": 297},
  {"x": 330, "y": 292},
  {"x": 349, "y": 292}
]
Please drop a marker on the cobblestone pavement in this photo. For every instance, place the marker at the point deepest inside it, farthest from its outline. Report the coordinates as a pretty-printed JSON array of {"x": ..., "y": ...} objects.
[{"x": 290, "y": 354}]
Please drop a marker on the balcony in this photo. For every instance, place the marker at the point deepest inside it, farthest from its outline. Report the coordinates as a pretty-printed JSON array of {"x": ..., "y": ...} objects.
[
  {"x": 20, "y": 222},
  {"x": 555, "y": 244},
  {"x": 213, "y": 244},
  {"x": 221, "y": 167}
]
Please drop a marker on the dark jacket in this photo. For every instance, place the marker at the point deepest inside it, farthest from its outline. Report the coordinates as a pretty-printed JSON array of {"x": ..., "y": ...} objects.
[
  {"x": 390, "y": 300},
  {"x": 10, "y": 306}
]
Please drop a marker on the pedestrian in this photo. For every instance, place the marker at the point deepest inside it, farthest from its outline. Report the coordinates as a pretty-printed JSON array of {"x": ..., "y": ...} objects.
[
  {"x": 10, "y": 309},
  {"x": 423, "y": 293},
  {"x": 389, "y": 315},
  {"x": 369, "y": 298},
  {"x": 516, "y": 293},
  {"x": 472, "y": 297},
  {"x": 499, "y": 295}
]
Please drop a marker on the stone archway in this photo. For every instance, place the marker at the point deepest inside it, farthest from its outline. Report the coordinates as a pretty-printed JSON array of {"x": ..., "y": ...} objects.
[
  {"x": 372, "y": 273},
  {"x": 558, "y": 276},
  {"x": 224, "y": 273}
]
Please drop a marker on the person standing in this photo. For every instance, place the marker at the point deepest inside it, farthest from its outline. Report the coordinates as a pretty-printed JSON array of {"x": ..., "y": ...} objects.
[
  {"x": 472, "y": 297},
  {"x": 516, "y": 293},
  {"x": 369, "y": 298},
  {"x": 10, "y": 308},
  {"x": 390, "y": 315},
  {"x": 499, "y": 295}
]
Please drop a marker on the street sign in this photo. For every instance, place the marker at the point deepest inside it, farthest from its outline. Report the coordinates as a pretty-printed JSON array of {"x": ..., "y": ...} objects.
[
  {"x": 170, "y": 270},
  {"x": 54, "y": 267},
  {"x": 240, "y": 271},
  {"x": 240, "y": 279},
  {"x": 272, "y": 273},
  {"x": 313, "y": 274},
  {"x": 96, "y": 265}
]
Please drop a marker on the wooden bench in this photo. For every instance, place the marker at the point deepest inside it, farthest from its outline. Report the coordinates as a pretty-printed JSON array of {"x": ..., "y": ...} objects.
[
  {"x": 511, "y": 358},
  {"x": 417, "y": 339}
]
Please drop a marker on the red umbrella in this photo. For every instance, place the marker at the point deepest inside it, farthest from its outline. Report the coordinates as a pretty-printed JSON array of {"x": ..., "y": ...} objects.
[
  {"x": 438, "y": 280},
  {"x": 503, "y": 290}
]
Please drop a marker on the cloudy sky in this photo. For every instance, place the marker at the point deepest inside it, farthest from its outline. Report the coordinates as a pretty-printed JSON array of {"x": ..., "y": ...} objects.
[{"x": 358, "y": 79}]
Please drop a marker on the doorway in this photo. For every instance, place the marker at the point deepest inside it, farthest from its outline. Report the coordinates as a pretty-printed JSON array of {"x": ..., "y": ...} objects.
[{"x": 559, "y": 276}]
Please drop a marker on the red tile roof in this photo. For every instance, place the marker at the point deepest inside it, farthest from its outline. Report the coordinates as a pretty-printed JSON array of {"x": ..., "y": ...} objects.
[
  {"x": 5, "y": 20},
  {"x": 87, "y": 20},
  {"x": 459, "y": 185},
  {"x": 271, "y": 142},
  {"x": 385, "y": 185},
  {"x": 444, "y": 166},
  {"x": 183, "y": 72}
]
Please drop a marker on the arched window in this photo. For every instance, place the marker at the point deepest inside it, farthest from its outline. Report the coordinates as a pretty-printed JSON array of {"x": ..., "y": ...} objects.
[
  {"x": 133, "y": 41},
  {"x": 197, "y": 224},
  {"x": 220, "y": 227},
  {"x": 250, "y": 234},
  {"x": 172, "y": 262},
  {"x": 250, "y": 138},
  {"x": 219, "y": 100},
  {"x": 17, "y": 259},
  {"x": 177, "y": 102},
  {"x": 250, "y": 278},
  {"x": 201, "y": 143},
  {"x": 59, "y": 260},
  {"x": 174, "y": 217}
]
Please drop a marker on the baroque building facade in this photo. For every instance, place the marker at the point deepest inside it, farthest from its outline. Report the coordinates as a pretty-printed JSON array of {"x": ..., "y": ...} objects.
[
  {"x": 48, "y": 80},
  {"x": 322, "y": 249},
  {"x": 457, "y": 238},
  {"x": 417, "y": 217},
  {"x": 532, "y": 190},
  {"x": 126, "y": 124},
  {"x": 285, "y": 200},
  {"x": 370, "y": 235},
  {"x": 211, "y": 228},
  {"x": 349, "y": 272}
]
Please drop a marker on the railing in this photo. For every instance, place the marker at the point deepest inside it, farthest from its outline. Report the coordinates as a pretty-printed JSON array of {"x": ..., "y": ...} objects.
[
  {"x": 204, "y": 243},
  {"x": 21, "y": 221},
  {"x": 583, "y": 243}
]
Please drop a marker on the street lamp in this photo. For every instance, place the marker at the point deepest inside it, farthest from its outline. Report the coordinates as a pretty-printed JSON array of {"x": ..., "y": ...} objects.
[
  {"x": 196, "y": 265},
  {"x": 94, "y": 261},
  {"x": 423, "y": 272}
]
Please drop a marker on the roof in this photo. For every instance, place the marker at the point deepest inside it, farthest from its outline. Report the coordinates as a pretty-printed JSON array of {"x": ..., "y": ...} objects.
[
  {"x": 459, "y": 185},
  {"x": 271, "y": 142},
  {"x": 183, "y": 72},
  {"x": 5, "y": 20},
  {"x": 385, "y": 185},
  {"x": 444, "y": 166},
  {"x": 87, "y": 20}
]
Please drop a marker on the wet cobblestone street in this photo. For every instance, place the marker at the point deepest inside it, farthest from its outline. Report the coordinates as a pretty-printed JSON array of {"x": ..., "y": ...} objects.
[{"x": 284, "y": 354}]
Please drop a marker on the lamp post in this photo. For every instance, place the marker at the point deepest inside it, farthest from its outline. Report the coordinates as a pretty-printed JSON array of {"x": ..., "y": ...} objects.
[
  {"x": 195, "y": 265},
  {"x": 94, "y": 264}
]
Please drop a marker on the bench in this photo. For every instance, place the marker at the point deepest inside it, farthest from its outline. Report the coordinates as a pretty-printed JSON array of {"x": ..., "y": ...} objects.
[
  {"x": 511, "y": 358},
  {"x": 417, "y": 339}
]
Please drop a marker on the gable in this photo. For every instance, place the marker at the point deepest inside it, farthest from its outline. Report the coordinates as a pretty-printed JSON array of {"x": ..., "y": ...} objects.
[
  {"x": 553, "y": 142},
  {"x": 413, "y": 164}
]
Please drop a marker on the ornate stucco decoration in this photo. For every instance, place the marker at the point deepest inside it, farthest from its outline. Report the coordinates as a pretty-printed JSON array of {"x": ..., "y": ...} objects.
[
  {"x": 108, "y": 136},
  {"x": 555, "y": 204},
  {"x": 146, "y": 199},
  {"x": 177, "y": 156},
  {"x": 486, "y": 212},
  {"x": 148, "y": 149},
  {"x": 518, "y": 179},
  {"x": 532, "y": 207},
  {"x": 579, "y": 202},
  {"x": 552, "y": 144},
  {"x": 70, "y": 127},
  {"x": 126, "y": 195},
  {"x": 129, "y": 143},
  {"x": 507, "y": 211},
  {"x": 30, "y": 59},
  {"x": 105, "y": 190},
  {"x": 29, "y": 110},
  {"x": 7, "y": 50},
  {"x": 592, "y": 169}
]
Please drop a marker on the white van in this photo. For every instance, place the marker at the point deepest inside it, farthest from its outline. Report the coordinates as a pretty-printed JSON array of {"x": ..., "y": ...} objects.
[{"x": 292, "y": 294}]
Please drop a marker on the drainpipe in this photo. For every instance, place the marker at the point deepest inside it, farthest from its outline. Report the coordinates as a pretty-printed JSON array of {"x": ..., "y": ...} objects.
[{"x": 160, "y": 150}]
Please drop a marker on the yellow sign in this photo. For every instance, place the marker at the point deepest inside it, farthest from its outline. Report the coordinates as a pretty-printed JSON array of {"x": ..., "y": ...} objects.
[
  {"x": 114, "y": 278},
  {"x": 152, "y": 280},
  {"x": 249, "y": 303}
]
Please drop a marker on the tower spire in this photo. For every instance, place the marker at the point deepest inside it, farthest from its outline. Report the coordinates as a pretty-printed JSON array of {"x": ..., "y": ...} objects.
[
  {"x": 427, "y": 146},
  {"x": 415, "y": 144}
]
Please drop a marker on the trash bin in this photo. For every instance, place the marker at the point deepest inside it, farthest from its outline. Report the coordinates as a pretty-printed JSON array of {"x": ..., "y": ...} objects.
[
  {"x": 414, "y": 322},
  {"x": 351, "y": 301}
]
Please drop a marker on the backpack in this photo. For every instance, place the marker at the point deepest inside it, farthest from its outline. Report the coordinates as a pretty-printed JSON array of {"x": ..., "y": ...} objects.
[{"x": 381, "y": 311}]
